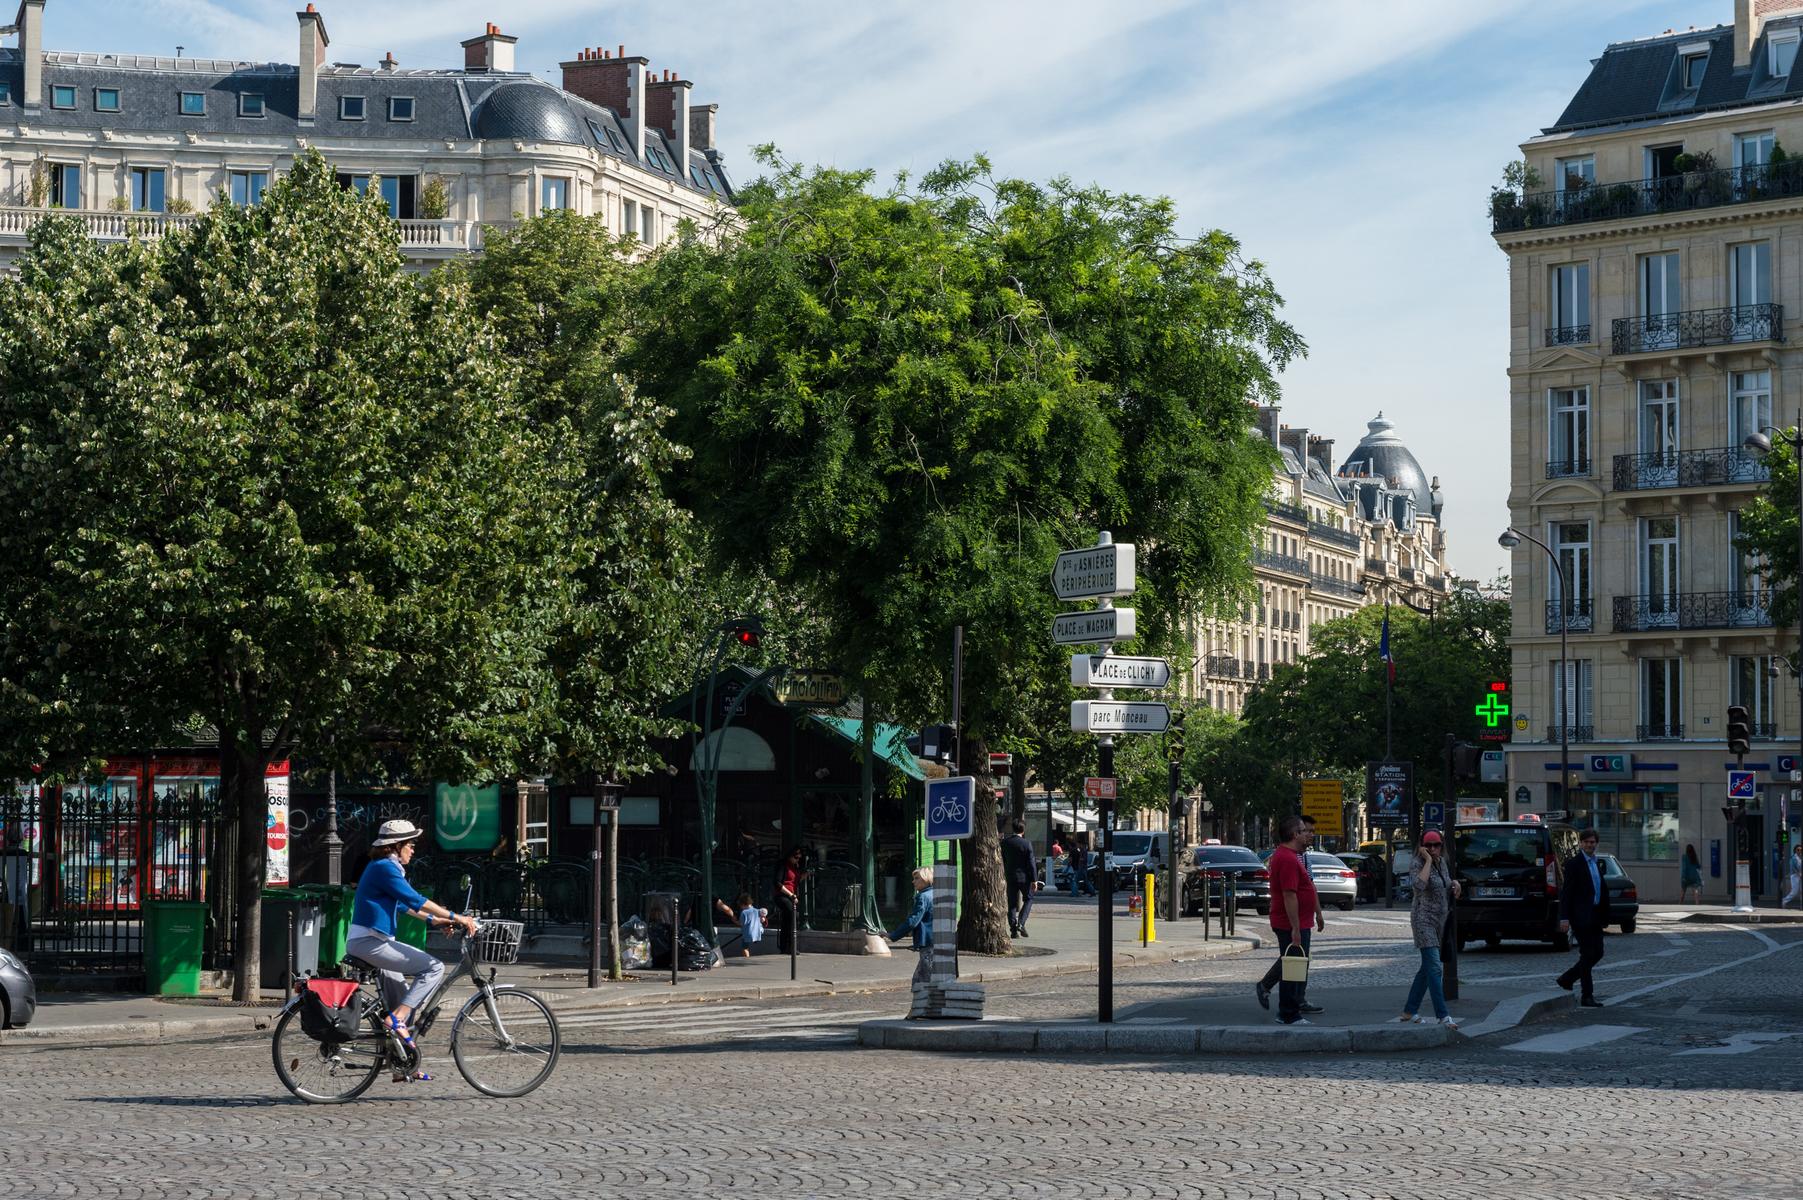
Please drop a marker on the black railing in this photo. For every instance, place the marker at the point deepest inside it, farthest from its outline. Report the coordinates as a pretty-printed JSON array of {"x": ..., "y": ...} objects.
[
  {"x": 1765, "y": 731},
  {"x": 1578, "y": 733},
  {"x": 1692, "y": 610},
  {"x": 1688, "y": 468},
  {"x": 1264, "y": 672},
  {"x": 1656, "y": 732},
  {"x": 1568, "y": 468},
  {"x": 1407, "y": 573},
  {"x": 1568, "y": 335},
  {"x": 1248, "y": 669},
  {"x": 1510, "y": 211},
  {"x": 1334, "y": 534},
  {"x": 1288, "y": 512},
  {"x": 1335, "y": 587},
  {"x": 1698, "y": 327},
  {"x": 1576, "y": 618},
  {"x": 1273, "y": 561},
  {"x": 1222, "y": 666}
]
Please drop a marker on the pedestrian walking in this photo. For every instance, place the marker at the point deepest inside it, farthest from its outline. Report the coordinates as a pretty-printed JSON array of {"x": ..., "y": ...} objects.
[
  {"x": 1796, "y": 877},
  {"x": 1690, "y": 877},
  {"x": 788, "y": 895},
  {"x": 1583, "y": 912},
  {"x": 1018, "y": 865},
  {"x": 1432, "y": 896},
  {"x": 1295, "y": 912},
  {"x": 749, "y": 918},
  {"x": 920, "y": 923},
  {"x": 1079, "y": 863}
]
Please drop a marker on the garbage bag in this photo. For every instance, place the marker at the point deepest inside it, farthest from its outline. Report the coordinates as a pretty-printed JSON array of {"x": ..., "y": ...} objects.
[{"x": 694, "y": 953}]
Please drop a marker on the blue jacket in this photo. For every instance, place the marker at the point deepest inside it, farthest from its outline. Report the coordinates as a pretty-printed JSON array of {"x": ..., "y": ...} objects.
[
  {"x": 382, "y": 889},
  {"x": 920, "y": 920}
]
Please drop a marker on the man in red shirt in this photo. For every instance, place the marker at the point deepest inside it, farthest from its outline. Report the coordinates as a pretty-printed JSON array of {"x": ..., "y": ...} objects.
[{"x": 1294, "y": 915}]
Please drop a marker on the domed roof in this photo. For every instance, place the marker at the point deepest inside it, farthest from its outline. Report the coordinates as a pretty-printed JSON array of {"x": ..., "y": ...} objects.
[
  {"x": 533, "y": 112},
  {"x": 1380, "y": 454}
]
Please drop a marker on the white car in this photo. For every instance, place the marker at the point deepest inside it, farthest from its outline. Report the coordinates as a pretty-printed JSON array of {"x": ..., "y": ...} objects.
[{"x": 1335, "y": 883}]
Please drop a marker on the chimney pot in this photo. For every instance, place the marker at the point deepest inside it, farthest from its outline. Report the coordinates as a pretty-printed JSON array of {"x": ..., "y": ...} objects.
[{"x": 622, "y": 53}]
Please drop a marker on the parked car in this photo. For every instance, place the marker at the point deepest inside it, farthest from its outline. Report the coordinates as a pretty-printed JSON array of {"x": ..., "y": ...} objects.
[
  {"x": 1511, "y": 873},
  {"x": 1624, "y": 897},
  {"x": 18, "y": 995},
  {"x": 1132, "y": 851},
  {"x": 1207, "y": 869},
  {"x": 1335, "y": 882},
  {"x": 1370, "y": 871}
]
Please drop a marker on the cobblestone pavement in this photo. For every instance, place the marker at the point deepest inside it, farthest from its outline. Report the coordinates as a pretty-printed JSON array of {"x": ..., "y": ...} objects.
[{"x": 1686, "y": 1087}]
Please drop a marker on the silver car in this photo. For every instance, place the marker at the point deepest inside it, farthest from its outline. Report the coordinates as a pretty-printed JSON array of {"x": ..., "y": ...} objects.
[
  {"x": 1335, "y": 882},
  {"x": 18, "y": 995}
]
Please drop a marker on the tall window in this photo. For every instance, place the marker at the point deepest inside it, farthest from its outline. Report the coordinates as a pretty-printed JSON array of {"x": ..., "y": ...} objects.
[
  {"x": 1572, "y": 174},
  {"x": 1658, "y": 432},
  {"x": 1781, "y": 52},
  {"x": 247, "y": 187},
  {"x": 1572, "y": 684},
  {"x": 1750, "y": 596},
  {"x": 147, "y": 189},
  {"x": 1661, "y": 698},
  {"x": 647, "y": 225},
  {"x": 1750, "y": 274},
  {"x": 397, "y": 191},
  {"x": 1569, "y": 445},
  {"x": 65, "y": 185},
  {"x": 1750, "y": 683},
  {"x": 1750, "y": 404},
  {"x": 1570, "y": 304},
  {"x": 1571, "y": 544},
  {"x": 554, "y": 192},
  {"x": 1659, "y": 571},
  {"x": 1753, "y": 149},
  {"x": 629, "y": 218},
  {"x": 1660, "y": 301}
]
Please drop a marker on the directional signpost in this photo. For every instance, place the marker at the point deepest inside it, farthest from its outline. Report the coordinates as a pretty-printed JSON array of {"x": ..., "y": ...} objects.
[
  {"x": 1102, "y": 670},
  {"x": 1101, "y": 570},
  {"x": 1116, "y": 716},
  {"x": 1094, "y": 625}
]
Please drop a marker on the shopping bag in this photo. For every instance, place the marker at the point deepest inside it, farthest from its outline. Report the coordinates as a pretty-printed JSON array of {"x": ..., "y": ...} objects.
[{"x": 1295, "y": 965}]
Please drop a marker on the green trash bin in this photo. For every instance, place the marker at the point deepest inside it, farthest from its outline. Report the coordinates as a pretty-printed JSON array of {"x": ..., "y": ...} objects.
[
  {"x": 334, "y": 900},
  {"x": 174, "y": 931},
  {"x": 411, "y": 929}
]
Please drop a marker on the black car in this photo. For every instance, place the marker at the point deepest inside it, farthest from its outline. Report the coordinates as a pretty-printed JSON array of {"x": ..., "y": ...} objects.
[
  {"x": 1511, "y": 873},
  {"x": 1371, "y": 874},
  {"x": 1207, "y": 870},
  {"x": 1624, "y": 896}
]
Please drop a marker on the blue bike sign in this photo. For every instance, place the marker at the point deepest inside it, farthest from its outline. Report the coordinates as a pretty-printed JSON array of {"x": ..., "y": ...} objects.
[{"x": 951, "y": 803}]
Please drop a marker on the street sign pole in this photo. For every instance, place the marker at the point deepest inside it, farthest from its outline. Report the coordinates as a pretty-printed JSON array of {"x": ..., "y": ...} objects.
[{"x": 1105, "y": 810}]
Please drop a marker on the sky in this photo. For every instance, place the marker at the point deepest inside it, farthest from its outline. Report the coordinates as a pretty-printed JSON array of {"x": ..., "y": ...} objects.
[{"x": 1349, "y": 145}]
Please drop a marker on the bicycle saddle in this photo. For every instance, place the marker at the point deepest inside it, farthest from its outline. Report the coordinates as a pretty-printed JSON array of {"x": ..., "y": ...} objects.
[{"x": 362, "y": 964}]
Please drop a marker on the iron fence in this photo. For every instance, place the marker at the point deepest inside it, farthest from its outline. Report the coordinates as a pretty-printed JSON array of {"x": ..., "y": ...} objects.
[
  {"x": 1689, "y": 468},
  {"x": 1573, "y": 616},
  {"x": 1692, "y": 610},
  {"x": 1512, "y": 211},
  {"x": 1698, "y": 327}
]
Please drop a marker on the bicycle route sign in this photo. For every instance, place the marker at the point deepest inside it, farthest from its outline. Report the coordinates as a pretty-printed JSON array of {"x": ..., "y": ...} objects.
[{"x": 951, "y": 807}]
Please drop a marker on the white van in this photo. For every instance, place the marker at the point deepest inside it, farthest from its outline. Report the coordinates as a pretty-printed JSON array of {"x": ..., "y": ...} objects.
[{"x": 1133, "y": 851}]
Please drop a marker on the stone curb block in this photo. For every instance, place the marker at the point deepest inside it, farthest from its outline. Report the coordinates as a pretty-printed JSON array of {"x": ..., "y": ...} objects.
[{"x": 968, "y": 1038}]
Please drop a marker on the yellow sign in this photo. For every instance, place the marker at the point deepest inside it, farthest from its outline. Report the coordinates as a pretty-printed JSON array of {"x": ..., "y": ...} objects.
[
  {"x": 810, "y": 689},
  {"x": 1321, "y": 801}
]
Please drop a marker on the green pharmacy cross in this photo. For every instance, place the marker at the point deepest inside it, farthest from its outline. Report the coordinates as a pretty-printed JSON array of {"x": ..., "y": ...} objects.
[{"x": 1494, "y": 708}]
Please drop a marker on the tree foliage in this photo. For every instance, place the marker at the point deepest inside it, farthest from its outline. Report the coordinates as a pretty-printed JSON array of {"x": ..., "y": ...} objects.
[{"x": 1768, "y": 531}]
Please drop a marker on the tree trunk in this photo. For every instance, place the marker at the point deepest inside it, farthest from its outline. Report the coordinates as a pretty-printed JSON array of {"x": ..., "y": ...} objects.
[
  {"x": 983, "y": 927},
  {"x": 866, "y": 857},
  {"x": 241, "y": 792}
]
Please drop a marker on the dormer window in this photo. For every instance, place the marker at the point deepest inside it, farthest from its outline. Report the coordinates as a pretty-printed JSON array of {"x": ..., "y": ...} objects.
[
  {"x": 1780, "y": 52},
  {"x": 352, "y": 108},
  {"x": 1691, "y": 77}
]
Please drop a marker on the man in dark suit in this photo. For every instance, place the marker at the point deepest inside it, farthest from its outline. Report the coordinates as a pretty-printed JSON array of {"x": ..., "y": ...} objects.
[
  {"x": 1021, "y": 870},
  {"x": 1583, "y": 911}
]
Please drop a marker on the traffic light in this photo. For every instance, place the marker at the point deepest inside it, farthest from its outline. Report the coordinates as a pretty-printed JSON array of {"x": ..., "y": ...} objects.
[
  {"x": 1740, "y": 729},
  {"x": 746, "y": 637},
  {"x": 1467, "y": 761},
  {"x": 933, "y": 743},
  {"x": 1173, "y": 737}
]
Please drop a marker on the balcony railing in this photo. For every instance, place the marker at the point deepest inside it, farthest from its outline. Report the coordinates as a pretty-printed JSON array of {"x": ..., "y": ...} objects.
[
  {"x": 1688, "y": 468},
  {"x": 1692, "y": 610},
  {"x": 1579, "y": 733},
  {"x": 1333, "y": 587},
  {"x": 1407, "y": 573},
  {"x": 1511, "y": 212},
  {"x": 1568, "y": 468},
  {"x": 1264, "y": 672},
  {"x": 1221, "y": 666},
  {"x": 1248, "y": 669},
  {"x": 1568, "y": 335},
  {"x": 1658, "y": 732},
  {"x": 1575, "y": 619},
  {"x": 1330, "y": 533},
  {"x": 1765, "y": 731},
  {"x": 1698, "y": 327},
  {"x": 1272, "y": 561},
  {"x": 416, "y": 235},
  {"x": 1288, "y": 512}
]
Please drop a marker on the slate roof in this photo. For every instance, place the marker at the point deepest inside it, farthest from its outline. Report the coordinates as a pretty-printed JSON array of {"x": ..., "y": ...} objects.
[
  {"x": 1381, "y": 456},
  {"x": 1639, "y": 80},
  {"x": 446, "y": 104}
]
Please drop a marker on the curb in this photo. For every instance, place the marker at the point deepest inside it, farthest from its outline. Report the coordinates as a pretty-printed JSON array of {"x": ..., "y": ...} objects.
[
  {"x": 1048, "y": 1038},
  {"x": 1734, "y": 918},
  {"x": 223, "y": 1026}
]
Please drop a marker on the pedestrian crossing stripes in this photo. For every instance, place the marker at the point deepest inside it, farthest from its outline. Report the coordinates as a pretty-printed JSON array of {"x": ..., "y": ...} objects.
[
  {"x": 1582, "y": 1038},
  {"x": 723, "y": 1022}
]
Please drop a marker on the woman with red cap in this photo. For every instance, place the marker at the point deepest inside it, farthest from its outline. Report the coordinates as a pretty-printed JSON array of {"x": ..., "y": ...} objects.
[{"x": 1435, "y": 890}]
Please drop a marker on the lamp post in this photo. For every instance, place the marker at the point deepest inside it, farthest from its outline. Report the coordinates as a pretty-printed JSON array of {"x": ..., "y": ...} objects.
[
  {"x": 741, "y": 631},
  {"x": 1508, "y": 540},
  {"x": 1761, "y": 445}
]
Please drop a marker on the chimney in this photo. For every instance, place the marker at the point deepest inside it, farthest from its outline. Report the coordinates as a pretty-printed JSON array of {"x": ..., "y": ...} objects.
[
  {"x": 390, "y": 62},
  {"x": 1321, "y": 450},
  {"x": 617, "y": 82},
  {"x": 492, "y": 51},
  {"x": 313, "y": 43},
  {"x": 1267, "y": 422},
  {"x": 31, "y": 53},
  {"x": 1296, "y": 442},
  {"x": 667, "y": 108},
  {"x": 701, "y": 125}
]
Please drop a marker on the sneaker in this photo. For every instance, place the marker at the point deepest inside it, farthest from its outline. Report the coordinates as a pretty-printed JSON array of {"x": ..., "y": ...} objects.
[
  {"x": 1263, "y": 993},
  {"x": 1405, "y": 1019},
  {"x": 1449, "y": 1022},
  {"x": 1297, "y": 1021}
]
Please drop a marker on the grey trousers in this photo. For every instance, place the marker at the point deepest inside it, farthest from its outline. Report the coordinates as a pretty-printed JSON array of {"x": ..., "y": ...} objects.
[{"x": 398, "y": 960}]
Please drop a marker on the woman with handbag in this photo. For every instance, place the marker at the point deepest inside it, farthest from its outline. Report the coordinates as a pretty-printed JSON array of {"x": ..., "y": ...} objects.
[{"x": 1434, "y": 892}]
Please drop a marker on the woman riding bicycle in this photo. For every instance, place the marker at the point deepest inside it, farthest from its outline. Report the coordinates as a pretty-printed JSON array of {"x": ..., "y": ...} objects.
[{"x": 380, "y": 893}]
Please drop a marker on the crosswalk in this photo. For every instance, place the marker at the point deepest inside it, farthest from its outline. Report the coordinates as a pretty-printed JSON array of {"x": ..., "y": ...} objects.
[{"x": 719, "y": 1023}]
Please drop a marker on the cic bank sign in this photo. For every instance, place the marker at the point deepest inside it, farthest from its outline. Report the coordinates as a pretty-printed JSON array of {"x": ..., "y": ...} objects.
[{"x": 467, "y": 816}]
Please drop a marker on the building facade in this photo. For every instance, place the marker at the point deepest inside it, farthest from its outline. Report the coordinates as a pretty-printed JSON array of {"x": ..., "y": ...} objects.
[
  {"x": 1333, "y": 541},
  {"x": 132, "y": 144},
  {"x": 1652, "y": 257}
]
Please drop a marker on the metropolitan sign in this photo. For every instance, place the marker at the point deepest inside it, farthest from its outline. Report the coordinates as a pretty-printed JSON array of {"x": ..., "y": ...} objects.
[
  {"x": 1095, "y": 572},
  {"x": 1099, "y": 670},
  {"x": 1114, "y": 716},
  {"x": 1095, "y": 625}
]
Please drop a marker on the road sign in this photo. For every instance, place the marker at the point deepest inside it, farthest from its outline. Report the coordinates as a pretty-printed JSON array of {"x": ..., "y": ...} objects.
[
  {"x": 1095, "y": 625},
  {"x": 1742, "y": 785},
  {"x": 1492, "y": 769},
  {"x": 951, "y": 807},
  {"x": 1114, "y": 716},
  {"x": 1433, "y": 812},
  {"x": 1322, "y": 803},
  {"x": 1100, "y": 789},
  {"x": 1094, "y": 572},
  {"x": 1112, "y": 671}
]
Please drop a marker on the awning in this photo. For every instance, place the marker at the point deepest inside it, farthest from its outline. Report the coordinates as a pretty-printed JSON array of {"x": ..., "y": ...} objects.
[{"x": 889, "y": 741}]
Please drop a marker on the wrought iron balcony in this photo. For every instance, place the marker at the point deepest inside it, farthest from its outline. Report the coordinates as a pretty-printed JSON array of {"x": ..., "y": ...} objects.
[
  {"x": 1698, "y": 327},
  {"x": 1407, "y": 573},
  {"x": 1568, "y": 468},
  {"x": 1272, "y": 561},
  {"x": 1575, "y": 619},
  {"x": 1568, "y": 335},
  {"x": 1765, "y": 731},
  {"x": 1578, "y": 733},
  {"x": 1658, "y": 733},
  {"x": 1688, "y": 468},
  {"x": 1287, "y": 512},
  {"x": 1333, "y": 587},
  {"x": 1264, "y": 672},
  {"x": 1692, "y": 610},
  {"x": 1334, "y": 534},
  {"x": 1221, "y": 666},
  {"x": 1511, "y": 212},
  {"x": 1248, "y": 669}
]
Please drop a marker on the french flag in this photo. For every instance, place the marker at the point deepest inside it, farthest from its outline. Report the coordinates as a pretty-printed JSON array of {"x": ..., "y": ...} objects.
[{"x": 1383, "y": 646}]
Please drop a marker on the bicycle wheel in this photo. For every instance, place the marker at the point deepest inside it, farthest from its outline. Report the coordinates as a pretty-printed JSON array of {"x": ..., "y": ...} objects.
[
  {"x": 505, "y": 1043},
  {"x": 322, "y": 1072}
]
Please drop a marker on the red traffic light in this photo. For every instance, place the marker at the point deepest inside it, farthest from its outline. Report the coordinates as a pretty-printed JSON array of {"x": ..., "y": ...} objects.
[{"x": 745, "y": 637}]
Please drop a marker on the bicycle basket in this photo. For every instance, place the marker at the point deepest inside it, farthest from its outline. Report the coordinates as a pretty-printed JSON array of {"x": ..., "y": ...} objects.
[{"x": 498, "y": 942}]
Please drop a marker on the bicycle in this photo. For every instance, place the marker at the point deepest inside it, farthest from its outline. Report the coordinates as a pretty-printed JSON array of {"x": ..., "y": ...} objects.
[{"x": 505, "y": 1056}]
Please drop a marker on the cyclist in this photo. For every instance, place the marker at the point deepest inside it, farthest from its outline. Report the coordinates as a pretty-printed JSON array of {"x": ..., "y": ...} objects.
[{"x": 381, "y": 891}]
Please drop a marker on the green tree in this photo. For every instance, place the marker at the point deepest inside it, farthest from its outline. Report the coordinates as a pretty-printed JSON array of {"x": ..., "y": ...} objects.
[
  {"x": 1768, "y": 530},
  {"x": 904, "y": 404},
  {"x": 257, "y": 476}
]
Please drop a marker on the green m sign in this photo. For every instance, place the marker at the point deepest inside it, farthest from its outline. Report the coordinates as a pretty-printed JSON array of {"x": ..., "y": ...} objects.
[{"x": 467, "y": 816}]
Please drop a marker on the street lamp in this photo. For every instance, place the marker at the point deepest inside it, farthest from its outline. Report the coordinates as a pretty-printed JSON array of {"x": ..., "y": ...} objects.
[
  {"x": 1508, "y": 540},
  {"x": 1761, "y": 445},
  {"x": 740, "y": 631}
]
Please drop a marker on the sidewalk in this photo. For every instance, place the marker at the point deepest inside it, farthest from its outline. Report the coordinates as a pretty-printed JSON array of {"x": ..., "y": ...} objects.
[
  {"x": 1719, "y": 914},
  {"x": 1063, "y": 941}
]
